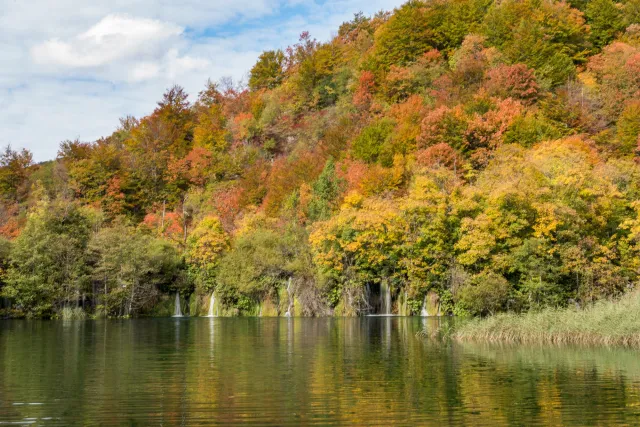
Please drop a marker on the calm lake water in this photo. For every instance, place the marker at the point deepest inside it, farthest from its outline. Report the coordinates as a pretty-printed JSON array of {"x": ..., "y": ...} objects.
[{"x": 269, "y": 371}]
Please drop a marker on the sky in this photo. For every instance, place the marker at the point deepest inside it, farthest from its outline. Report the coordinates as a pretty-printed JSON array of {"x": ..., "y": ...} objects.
[{"x": 70, "y": 69}]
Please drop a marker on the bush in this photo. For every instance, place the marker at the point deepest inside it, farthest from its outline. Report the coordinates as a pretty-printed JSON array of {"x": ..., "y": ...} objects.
[{"x": 487, "y": 293}]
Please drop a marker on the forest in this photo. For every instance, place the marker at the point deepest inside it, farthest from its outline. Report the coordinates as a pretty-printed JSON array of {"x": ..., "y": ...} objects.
[{"x": 477, "y": 156}]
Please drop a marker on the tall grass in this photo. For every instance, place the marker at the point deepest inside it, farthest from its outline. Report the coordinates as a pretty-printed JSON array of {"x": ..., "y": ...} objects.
[
  {"x": 76, "y": 313},
  {"x": 604, "y": 323}
]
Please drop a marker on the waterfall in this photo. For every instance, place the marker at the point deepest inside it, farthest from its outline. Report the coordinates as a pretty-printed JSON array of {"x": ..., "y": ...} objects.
[
  {"x": 177, "y": 312},
  {"x": 288, "y": 313},
  {"x": 212, "y": 304},
  {"x": 424, "y": 312},
  {"x": 367, "y": 298},
  {"x": 403, "y": 308},
  {"x": 385, "y": 294},
  {"x": 387, "y": 301}
]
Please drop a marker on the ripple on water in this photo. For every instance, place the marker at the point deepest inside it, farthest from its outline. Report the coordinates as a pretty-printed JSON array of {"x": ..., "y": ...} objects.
[{"x": 269, "y": 371}]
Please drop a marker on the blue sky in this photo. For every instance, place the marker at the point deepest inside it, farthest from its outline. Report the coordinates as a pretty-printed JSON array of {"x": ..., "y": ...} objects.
[{"x": 70, "y": 69}]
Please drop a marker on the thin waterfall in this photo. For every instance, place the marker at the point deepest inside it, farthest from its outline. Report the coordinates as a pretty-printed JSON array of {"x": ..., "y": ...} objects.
[
  {"x": 367, "y": 298},
  {"x": 385, "y": 292},
  {"x": 177, "y": 311},
  {"x": 289, "y": 308},
  {"x": 424, "y": 312},
  {"x": 212, "y": 304},
  {"x": 387, "y": 300}
]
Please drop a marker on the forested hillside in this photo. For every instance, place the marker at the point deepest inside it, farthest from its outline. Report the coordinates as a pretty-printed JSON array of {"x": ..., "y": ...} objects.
[{"x": 483, "y": 153}]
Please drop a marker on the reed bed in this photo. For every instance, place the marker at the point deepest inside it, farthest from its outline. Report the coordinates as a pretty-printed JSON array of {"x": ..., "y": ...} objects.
[
  {"x": 608, "y": 323},
  {"x": 76, "y": 313}
]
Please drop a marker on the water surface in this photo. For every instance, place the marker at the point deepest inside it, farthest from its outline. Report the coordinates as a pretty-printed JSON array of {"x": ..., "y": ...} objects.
[{"x": 296, "y": 371}]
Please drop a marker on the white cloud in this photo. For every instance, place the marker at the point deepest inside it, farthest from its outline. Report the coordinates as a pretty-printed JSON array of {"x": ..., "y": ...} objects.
[
  {"x": 70, "y": 68},
  {"x": 144, "y": 71},
  {"x": 179, "y": 65},
  {"x": 118, "y": 47},
  {"x": 114, "y": 37}
]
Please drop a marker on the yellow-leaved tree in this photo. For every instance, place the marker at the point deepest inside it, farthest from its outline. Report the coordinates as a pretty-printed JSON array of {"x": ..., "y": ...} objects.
[{"x": 205, "y": 245}]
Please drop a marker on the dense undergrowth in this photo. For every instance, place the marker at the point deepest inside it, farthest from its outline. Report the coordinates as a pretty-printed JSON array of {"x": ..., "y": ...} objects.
[{"x": 476, "y": 155}]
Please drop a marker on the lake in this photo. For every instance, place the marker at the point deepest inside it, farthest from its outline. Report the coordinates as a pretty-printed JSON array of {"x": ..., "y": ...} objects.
[{"x": 300, "y": 371}]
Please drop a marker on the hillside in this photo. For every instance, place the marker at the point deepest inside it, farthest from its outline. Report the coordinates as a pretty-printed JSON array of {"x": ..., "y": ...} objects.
[{"x": 463, "y": 156}]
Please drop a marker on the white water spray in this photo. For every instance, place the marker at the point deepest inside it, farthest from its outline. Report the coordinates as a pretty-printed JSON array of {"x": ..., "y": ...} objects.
[
  {"x": 290, "y": 307},
  {"x": 386, "y": 299},
  {"x": 424, "y": 312},
  {"x": 212, "y": 304},
  {"x": 177, "y": 311}
]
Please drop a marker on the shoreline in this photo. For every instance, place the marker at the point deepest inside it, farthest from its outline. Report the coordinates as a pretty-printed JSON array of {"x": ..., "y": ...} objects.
[{"x": 606, "y": 323}]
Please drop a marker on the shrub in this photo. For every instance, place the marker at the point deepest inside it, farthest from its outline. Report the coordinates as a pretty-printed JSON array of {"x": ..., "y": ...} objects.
[{"x": 486, "y": 293}]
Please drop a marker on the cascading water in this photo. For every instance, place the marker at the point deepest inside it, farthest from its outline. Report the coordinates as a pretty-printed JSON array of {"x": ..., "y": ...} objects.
[
  {"x": 367, "y": 298},
  {"x": 424, "y": 312},
  {"x": 385, "y": 294},
  {"x": 288, "y": 313},
  {"x": 177, "y": 311},
  {"x": 212, "y": 304}
]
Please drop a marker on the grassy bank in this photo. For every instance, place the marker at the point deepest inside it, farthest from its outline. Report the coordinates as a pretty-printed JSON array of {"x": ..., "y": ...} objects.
[{"x": 604, "y": 323}]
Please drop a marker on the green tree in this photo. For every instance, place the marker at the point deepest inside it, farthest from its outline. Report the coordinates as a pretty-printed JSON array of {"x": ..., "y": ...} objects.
[
  {"x": 405, "y": 36},
  {"x": 373, "y": 143},
  {"x": 324, "y": 193},
  {"x": 14, "y": 171},
  {"x": 631, "y": 12},
  {"x": 5, "y": 253},
  {"x": 261, "y": 260},
  {"x": 268, "y": 72},
  {"x": 548, "y": 36},
  {"x": 49, "y": 268},
  {"x": 131, "y": 269},
  {"x": 628, "y": 129},
  {"x": 606, "y": 21},
  {"x": 486, "y": 293}
]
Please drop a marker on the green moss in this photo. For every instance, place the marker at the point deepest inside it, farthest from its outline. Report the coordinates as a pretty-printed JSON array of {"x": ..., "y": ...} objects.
[{"x": 268, "y": 308}]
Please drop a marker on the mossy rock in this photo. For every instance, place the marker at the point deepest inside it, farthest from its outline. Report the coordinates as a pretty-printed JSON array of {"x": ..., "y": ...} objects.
[
  {"x": 268, "y": 308},
  {"x": 339, "y": 309},
  {"x": 282, "y": 302},
  {"x": 297, "y": 308},
  {"x": 402, "y": 305},
  {"x": 196, "y": 305},
  {"x": 433, "y": 304}
]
